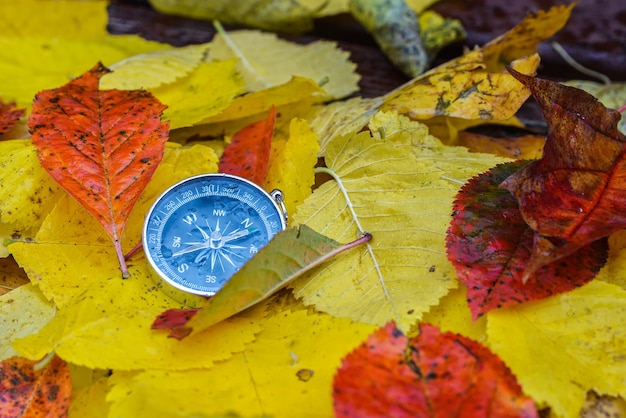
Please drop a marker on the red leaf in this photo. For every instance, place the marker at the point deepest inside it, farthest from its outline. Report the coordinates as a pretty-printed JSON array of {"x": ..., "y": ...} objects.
[
  {"x": 432, "y": 375},
  {"x": 102, "y": 147},
  {"x": 175, "y": 320},
  {"x": 25, "y": 392},
  {"x": 489, "y": 244},
  {"x": 9, "y": 115},
  {"x": 574, "y": 194},
  {"x": 248, "y": 153}
]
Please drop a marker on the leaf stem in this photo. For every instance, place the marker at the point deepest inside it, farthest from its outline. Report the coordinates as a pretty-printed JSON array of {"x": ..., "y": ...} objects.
[
  {"x": 580, "y": 68},
  {"x": 134, "y": 250},
  {"x": 121, "y": 259},
  {"x": 233, "y": 47}
]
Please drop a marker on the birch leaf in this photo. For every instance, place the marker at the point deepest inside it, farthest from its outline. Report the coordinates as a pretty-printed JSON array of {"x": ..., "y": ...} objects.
[
  {"x": 579, "y": 336},
  {"x": 23, "y": 311},
  {"x": 266, "y": 61},
  {"x": 152, "y": 69},
  {"x": 400, "y": 189},
  {"x": 287, "y": 371},
  {"x": 199, "y": 96},
  {"x": 108, "y": 327},
  {"x": 29, "y": 65}
]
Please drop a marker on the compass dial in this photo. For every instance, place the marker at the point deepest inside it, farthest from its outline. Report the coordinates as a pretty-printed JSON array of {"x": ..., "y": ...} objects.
[{"x": 202, "y": 230}]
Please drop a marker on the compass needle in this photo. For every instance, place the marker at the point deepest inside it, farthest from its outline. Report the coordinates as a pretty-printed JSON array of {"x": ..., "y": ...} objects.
[{"x": 226, "y": 219}]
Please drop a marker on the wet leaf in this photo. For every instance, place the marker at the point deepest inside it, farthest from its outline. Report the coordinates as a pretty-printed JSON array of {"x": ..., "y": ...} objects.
[
  {"x": 9, "y": 116},
  {"x": 248, "y": 153},
  {"x": 26, "y": 392},
  {"x": 490, "y": 245},
  {"x": 434, "y": 374},
  {"x": 611, "y": 95},
  {"x": 102, "y": 147},
  {"x": 290, "y": 254},
  {"x": 573, "y": 195}
]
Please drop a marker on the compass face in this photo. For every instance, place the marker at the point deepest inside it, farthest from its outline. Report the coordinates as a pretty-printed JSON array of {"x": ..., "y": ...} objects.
[{"x": 202, "y": 230}]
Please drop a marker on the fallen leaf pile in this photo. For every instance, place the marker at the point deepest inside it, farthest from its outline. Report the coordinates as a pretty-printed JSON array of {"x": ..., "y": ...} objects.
[{"x": 375, "y": 301}]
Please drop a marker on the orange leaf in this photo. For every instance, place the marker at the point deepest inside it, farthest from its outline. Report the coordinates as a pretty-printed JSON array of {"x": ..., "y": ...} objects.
[
  {"x": 432, "y": 375},
  {"x": 102, "y": 147},
  {"x": 248, "y": 154},
  {"x": 9, "y": 115},
  {"x": 28, "y": 393}
]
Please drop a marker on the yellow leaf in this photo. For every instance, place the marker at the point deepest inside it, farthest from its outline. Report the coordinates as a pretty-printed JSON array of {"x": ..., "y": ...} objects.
[
  {"x": 292, "y": 99},
  {"x": 275, "y": 15},
  {"x": 152, "y": 69},
  {"x": 70, "y": 251},
  {"x": 108, "y": 327},
  {"x": 205, "y": 92},
  {"x": 561, "y": 347},
  {"x": 342, "y": 118},
  {"x": 90, "y": 401},
  {"x": 54, "y": 19},
  {"x": 266, "y": 61},
  {"x": 291, "y": 164},
  {"x": 399, "y": 189},
  {"x": 29, "y": 65},
  {"x": 23, "y": 311},
  {"x": 25, "y": 207},
  {"x": 613, "y": 271},
  {"x": 463, "y": 88},
  {"x": 524, "y": 38},
  {"x": 286, "y": 372},
  {"x": 11, "y": 275},
  {"x": 452, "y": 314}
]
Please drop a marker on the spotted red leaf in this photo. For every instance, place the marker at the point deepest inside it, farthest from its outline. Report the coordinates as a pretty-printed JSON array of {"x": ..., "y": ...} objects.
[
  {"x": 248, "y": 153},
  {"x": 432, "y": 375},
  {"x": 9, "y": 115},
  {"x": 574, "y": 194},
  {"x": 489, "y": 244},
  {"x": 26, "y": 392},
  {"x": 102, "y": 147}
]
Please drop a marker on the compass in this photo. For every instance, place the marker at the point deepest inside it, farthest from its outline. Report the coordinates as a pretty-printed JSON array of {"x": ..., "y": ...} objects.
[{"x": 202, "y": 230}]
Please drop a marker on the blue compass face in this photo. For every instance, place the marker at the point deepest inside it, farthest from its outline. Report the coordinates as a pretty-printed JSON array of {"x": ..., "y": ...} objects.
[{"x": 203, "y": 229}]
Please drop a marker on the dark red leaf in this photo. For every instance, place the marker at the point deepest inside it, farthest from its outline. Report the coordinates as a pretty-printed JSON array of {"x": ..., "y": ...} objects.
[
  {"x": 574, "y": 194},
  {"x": 489, "y": 244},
  {"x": 9, "y": 115},
  {"x": 248, "y": 153},
  {"x": 432, "y": 375},
  {"x": 102, "y": 147},
  {"x": 26, "y": 392}
]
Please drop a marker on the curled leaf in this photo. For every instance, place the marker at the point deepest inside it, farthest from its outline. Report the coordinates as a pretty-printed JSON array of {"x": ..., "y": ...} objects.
[
  {"x": 102, "y": 147},
  {"x": 434, "y": 374},
  {"x": 489, "y": 244},
  {"x": 574, "y": 194}
]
